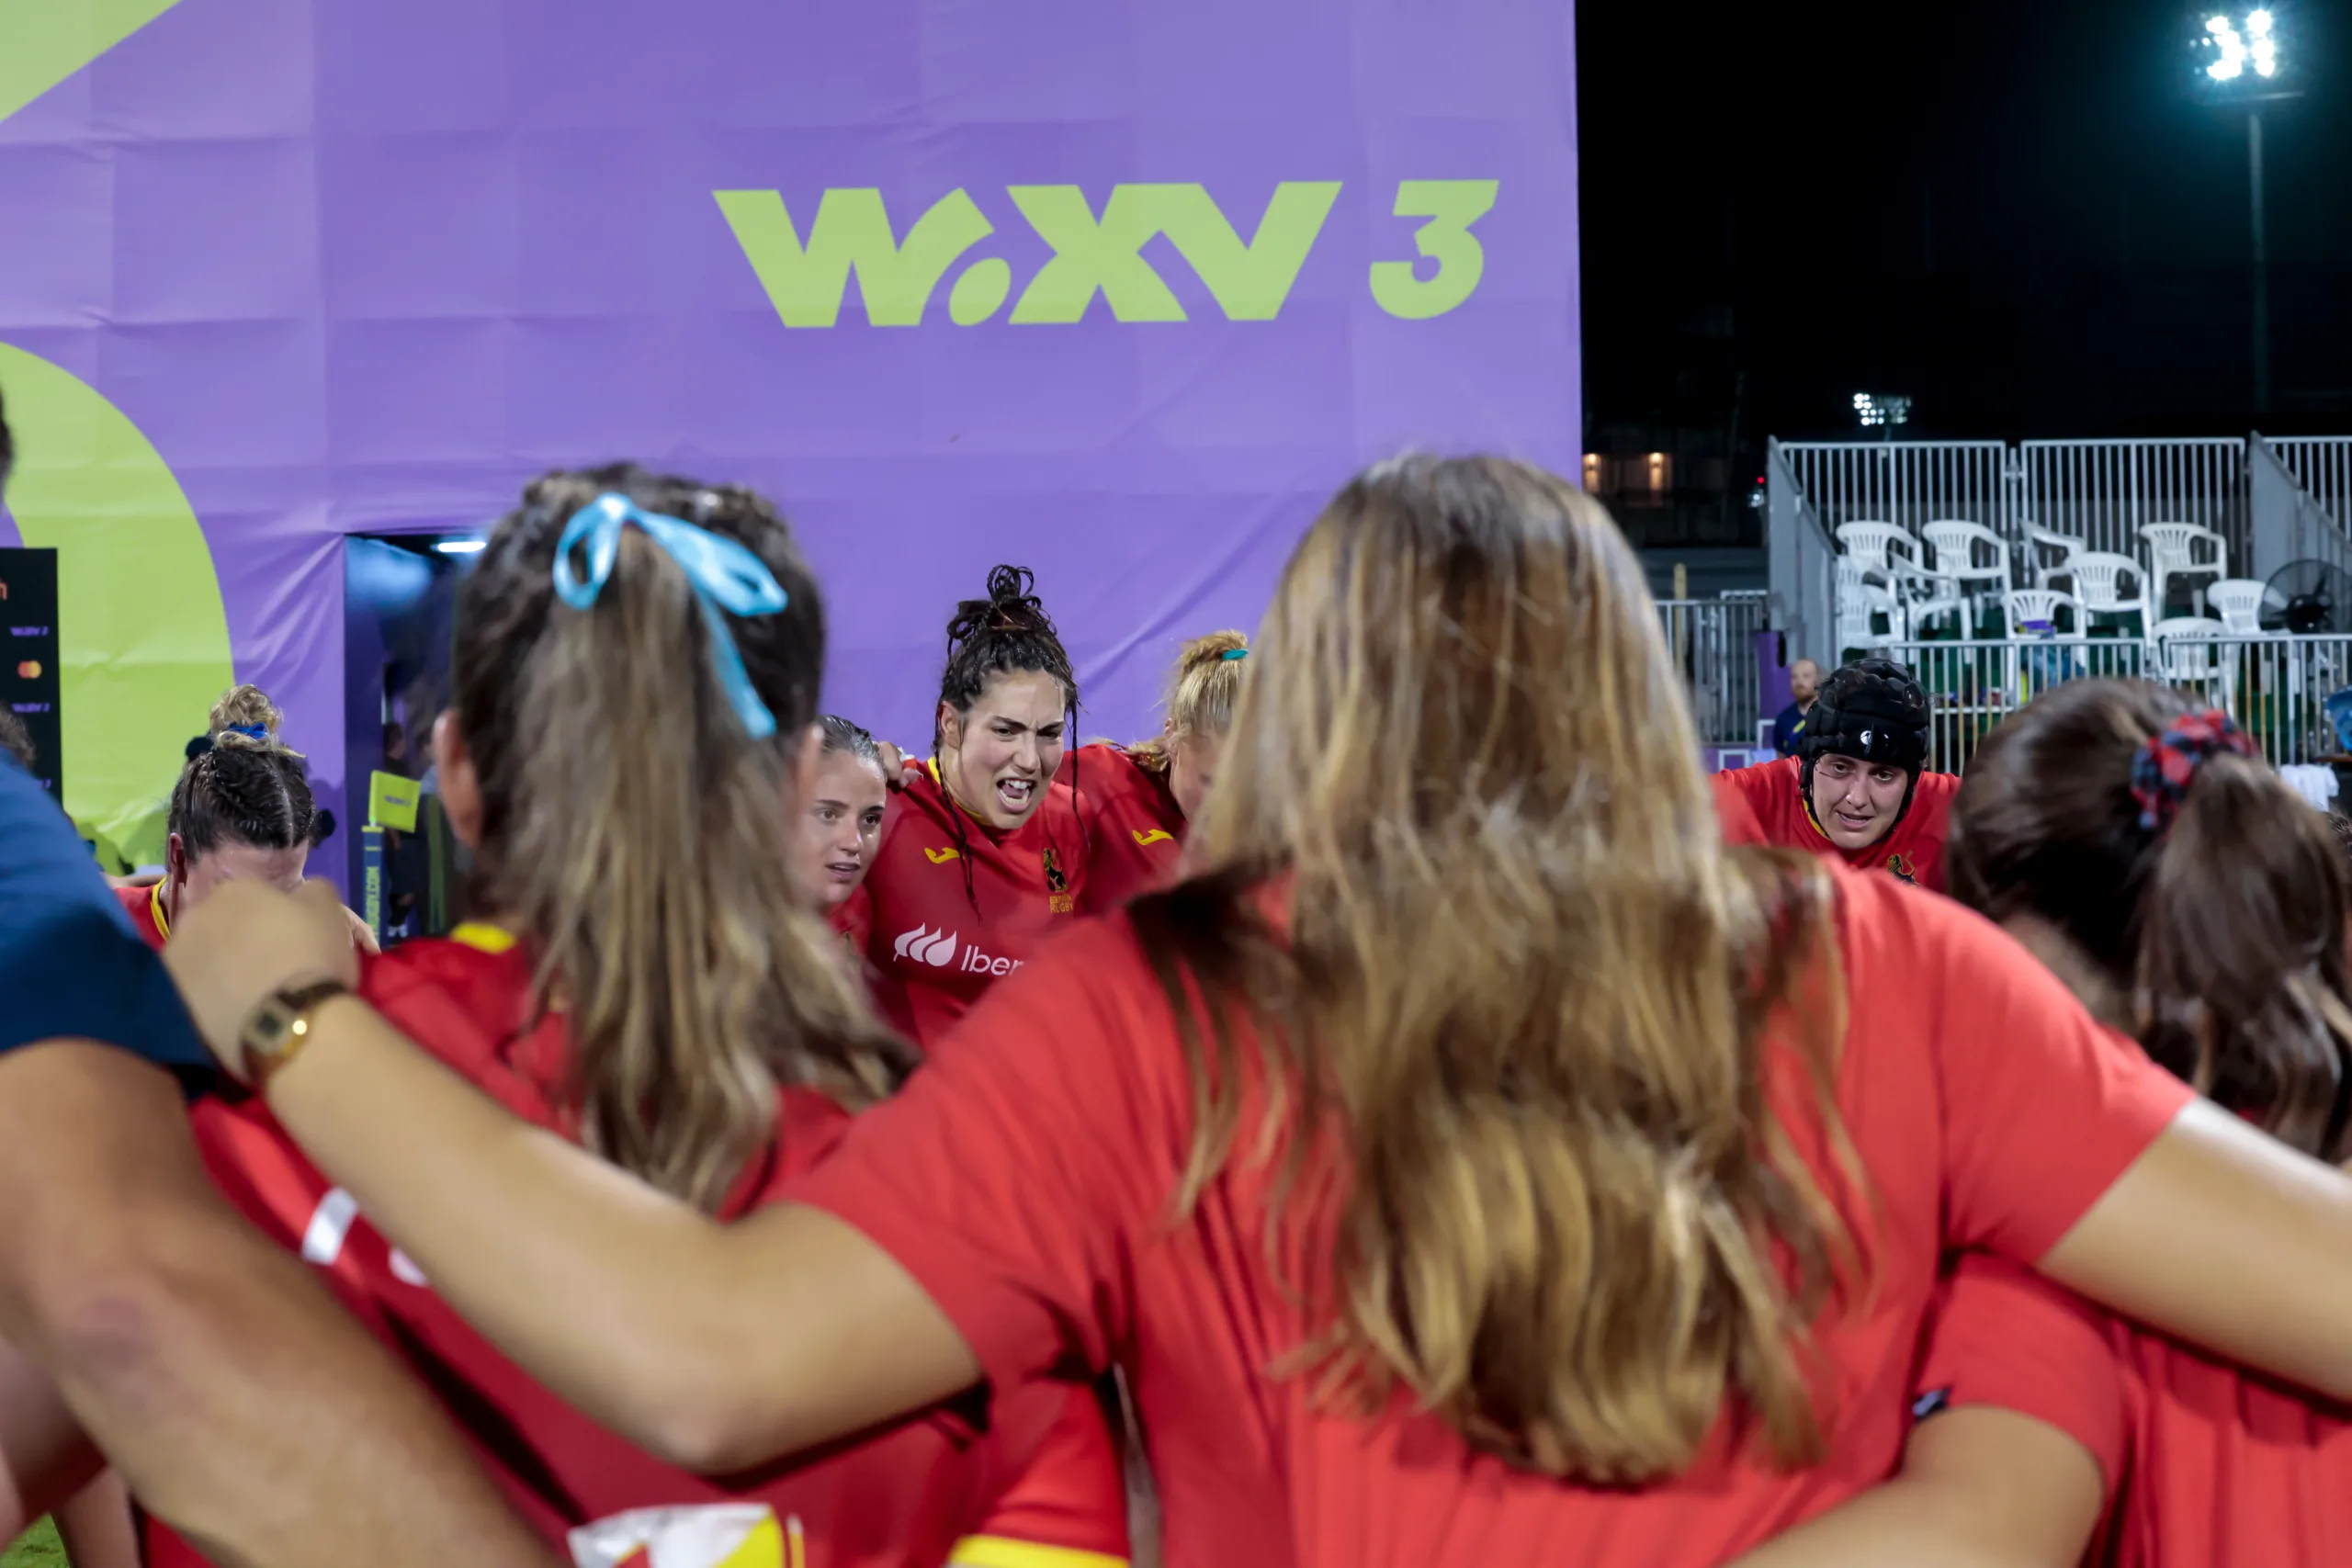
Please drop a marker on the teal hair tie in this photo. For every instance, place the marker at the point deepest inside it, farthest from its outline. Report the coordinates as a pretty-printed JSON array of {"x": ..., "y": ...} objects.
[
  {"x": 1235, "y": 653},
  {"x": 724, "y": 574}
]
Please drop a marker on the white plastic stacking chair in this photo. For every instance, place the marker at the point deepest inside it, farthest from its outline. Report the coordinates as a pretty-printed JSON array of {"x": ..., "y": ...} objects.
[
  {"x": 2186, "y": 655},
  {"x": 1891, "y": 552},
  {"x": 1883, "y": 548},
  {"x": 2068, "y": 547},
  {"x": 2024, "y": 604},
  {"x": 1934, "y": 595},
  {"x": 2099, "y": 576},
  {"x": 1967, "y": 552},
  {"x": 2238, "y": 602},
  {"x": 1858, "y": 600},
  {"x": 2181, "y": 549},
  {"x": 2058, "y": 654},
  {"x": 1969, "y": 556}
]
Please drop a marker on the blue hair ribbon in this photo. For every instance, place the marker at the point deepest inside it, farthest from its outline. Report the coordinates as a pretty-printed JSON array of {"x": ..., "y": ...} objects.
[
  {"x": 1232, "y": 653},
  {"x": 726, "y": 576},
  {"x": 250, "y": 731}
]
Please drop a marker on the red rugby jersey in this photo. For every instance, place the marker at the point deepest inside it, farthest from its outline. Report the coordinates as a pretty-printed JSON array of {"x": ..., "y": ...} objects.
[
  {"x": 952, "y": 906},
  {"x": 1767, "y": 799},
  {"x": 2207, "y": 1466},
  {"x": 1038, "y": 1482},
  {"x": 1024, "y": 1179},
  {"x": 145, "y": 908},
  {"x": 1135, "y": 830}
]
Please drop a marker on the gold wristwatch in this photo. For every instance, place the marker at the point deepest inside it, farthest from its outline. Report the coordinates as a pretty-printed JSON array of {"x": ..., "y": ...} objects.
[{"x": 279, "y": 1027}]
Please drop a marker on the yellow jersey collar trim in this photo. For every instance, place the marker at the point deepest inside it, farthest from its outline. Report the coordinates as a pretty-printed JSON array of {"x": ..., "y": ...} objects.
[
  {"x": 974, "y": 817},
  {"x": 156, "y": 908},
  {"x": 1806, "y": 801},
  {"x": 484, "y": 938},
  {"x": 1004, "y": 1552}
]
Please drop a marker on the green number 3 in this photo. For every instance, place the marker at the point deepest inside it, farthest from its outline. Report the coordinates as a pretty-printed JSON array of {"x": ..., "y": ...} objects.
[{"x": 1451, "y": 207}]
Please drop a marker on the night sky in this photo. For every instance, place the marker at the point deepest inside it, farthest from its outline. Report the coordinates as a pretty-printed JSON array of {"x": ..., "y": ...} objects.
[{"x": 2021, "y": 216}]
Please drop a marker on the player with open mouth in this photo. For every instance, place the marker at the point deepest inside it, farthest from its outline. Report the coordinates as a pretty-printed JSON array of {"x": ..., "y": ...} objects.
[{"x": 981, "y": 851}]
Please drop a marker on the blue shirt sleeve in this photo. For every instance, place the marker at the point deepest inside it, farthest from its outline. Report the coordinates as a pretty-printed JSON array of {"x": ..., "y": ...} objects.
[
  {"x": 1785, "y": 728},
  {"x": 71, "y": 967}
]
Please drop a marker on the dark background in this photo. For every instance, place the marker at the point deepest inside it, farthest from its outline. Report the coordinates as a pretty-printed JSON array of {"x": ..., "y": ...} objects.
[
  {"x": 2026, "y": 218},
  {"x": 29, "y": 636}
]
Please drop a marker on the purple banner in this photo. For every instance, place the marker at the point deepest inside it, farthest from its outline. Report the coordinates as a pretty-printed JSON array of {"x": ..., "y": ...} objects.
[{"x": 1114, "y": 291}]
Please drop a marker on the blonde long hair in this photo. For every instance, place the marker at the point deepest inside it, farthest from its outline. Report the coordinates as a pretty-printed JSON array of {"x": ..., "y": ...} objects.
[
  {"x": 1523, "y": 983},
  {"x": 635, "y": 833},
  {"x": 1202, "y": 692}
]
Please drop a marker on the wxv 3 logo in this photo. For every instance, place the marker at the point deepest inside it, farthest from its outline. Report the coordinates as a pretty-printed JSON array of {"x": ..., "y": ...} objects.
[{"x": 1092, "y": 254}]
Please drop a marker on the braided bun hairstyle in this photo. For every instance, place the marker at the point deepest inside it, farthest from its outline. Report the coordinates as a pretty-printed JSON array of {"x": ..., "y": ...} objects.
[
  {"x": 1006, "y": 631},
  {"x": 241, "y": 784},
  {"x": 1202, "y": 693}
]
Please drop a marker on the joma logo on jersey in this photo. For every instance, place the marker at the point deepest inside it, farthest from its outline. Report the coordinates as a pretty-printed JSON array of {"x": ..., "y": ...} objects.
[
  {"x": 1093, "y": 253},
  {"x": 1156, "y": 836},
  {"x": 941, "y": 950}
]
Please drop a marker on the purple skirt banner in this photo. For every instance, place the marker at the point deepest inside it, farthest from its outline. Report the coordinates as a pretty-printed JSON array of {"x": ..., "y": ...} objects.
[{"x": 1113, "y": 291}]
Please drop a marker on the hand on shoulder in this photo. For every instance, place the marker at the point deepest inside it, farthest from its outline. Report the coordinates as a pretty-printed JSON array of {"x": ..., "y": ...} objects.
[{"x": 247, "y": 941}]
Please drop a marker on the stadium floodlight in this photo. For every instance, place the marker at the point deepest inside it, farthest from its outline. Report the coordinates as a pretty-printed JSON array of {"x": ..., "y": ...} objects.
[
  {"x": 2262, "y": 44},
  {"x": 2242, "y": 61},
  {"x": 461, "y": 547},
  {"x": 1877, "y": 410},
  {"x": 2240, "y": 54},
  {"x": 2229, "y": 47}
]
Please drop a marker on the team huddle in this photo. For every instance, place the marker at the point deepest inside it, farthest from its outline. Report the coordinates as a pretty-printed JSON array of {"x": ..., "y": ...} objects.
[{"x": 1405, "y": 1109}]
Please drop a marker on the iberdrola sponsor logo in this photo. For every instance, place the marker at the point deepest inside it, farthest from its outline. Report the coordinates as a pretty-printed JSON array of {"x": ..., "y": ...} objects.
[
  {"x": 923, "y": 945},
  {"x": 941, "y": 950},
  {"x": 716, "y": 1535}
]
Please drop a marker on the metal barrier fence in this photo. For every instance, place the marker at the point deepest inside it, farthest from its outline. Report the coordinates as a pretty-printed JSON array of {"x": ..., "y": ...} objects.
[
  {"x": 1908, "y": 483},
  {"x": 2103, "y": 491},
  {"x": 1801, "y": 562},
  {"x": 2323, "y": 467},
  {"x": 1713, "y": 643},
  {"x": 2276, "y": 687},
  {"x": 2098, "y": 492}
]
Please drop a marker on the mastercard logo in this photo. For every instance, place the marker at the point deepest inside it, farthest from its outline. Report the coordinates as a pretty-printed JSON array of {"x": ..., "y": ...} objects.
[{"x": 29, "y": 670}]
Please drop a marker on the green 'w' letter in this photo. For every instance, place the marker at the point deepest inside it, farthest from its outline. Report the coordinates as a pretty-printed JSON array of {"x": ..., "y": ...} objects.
[{"x": 852, "y": 230}]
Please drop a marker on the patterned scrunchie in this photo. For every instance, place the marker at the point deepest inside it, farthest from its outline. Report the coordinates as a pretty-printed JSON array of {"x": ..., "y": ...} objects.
[{"x": 2166, "y": 763}]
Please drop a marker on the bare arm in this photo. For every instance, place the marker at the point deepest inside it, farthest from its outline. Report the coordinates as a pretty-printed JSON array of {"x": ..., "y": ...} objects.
[
  {"x": 2217, "y": 1232},
  {"x": 45, "y": 1457},
  {"x": 2227, "y": 1237},
  {"x": 707, "y": 1382},
  {"x": 95, "y": 1526},
  {"x": 1980, "y": 1487},
  {"x": 229, "y": 1391}
]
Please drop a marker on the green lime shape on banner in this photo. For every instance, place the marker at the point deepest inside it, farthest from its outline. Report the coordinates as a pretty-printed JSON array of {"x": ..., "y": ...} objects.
[
  {"x": 142, "y": 632},
  {"x": 44, "y": 41},
  {"x": 980, "y": 292},
  {"x": 143, "y": 636}
]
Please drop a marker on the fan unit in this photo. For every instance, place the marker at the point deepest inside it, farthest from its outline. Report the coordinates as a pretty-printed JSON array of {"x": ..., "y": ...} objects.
[{"x": 2308, "y": 598}]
